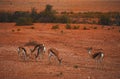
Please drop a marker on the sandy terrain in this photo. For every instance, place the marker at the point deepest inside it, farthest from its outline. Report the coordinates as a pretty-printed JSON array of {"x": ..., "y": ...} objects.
[
  {"x": 72, "y": 46},
  {"x": 62, "y": 5}
]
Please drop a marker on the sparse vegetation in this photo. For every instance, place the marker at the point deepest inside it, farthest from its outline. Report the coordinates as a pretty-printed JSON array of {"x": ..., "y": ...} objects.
[
  {"x": 105, "y": 20},
  {"x": 68, "y": 26},
  {"x": 76, "y": 27},
  {"x": 55, "y": 27},
  {"x": 85, "y": 28},
  {"x": 48, "y": 15},
  {"x": 117, "y": 19},
  {"x": 64, "y": 19}
]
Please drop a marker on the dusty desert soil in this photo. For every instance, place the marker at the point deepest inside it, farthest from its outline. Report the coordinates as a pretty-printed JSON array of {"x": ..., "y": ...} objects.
[
  {"x": 62, "y": 5},
  {"x": 71, "y": 45}
]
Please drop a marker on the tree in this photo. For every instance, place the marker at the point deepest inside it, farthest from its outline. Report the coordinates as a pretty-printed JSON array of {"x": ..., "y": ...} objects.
[
  {"x": 48, "y": 15},
  {"x": 34, "y": 14},
  {"x": 19, "y": 14},
  {"x": 48, "y": 8}
]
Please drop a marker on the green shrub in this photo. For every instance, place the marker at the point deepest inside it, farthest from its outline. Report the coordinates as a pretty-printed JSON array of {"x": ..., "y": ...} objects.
[
  {"x": 24, "y": 21},
  {"x": 76, "y": 27},
  {"x": 55, "y": 27},
  {"x": 85, "y": 28},
  {"x": 68, "y": 26}
]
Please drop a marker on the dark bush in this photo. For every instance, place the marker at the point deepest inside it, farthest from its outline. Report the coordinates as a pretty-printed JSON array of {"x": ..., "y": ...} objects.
[
  {"x": 6, "y": 17},
  {"x": 104, "y": 20},
  {"x": 76, "y": 27},
  {"x": 85, "y": 28},
  {"x": 64, "y": 19},
  {"x": 117, "y": 19},
  {"x": 55, "y": 27},
  {"x": 24, "y": 21},
  {"x": 48, "y": 15},
  {"x": 34, "y": 14},
  {"x": 18, "y": 14},
  {"x": 68, "y": 26}
]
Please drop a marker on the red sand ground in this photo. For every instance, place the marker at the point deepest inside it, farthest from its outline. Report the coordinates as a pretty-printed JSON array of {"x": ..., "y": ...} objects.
[{"x": 72, "y": 46}]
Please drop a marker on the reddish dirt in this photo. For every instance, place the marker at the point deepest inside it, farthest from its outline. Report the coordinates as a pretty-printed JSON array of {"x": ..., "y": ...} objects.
[
  {"x": 71, "y": 45},
  {"x": 62, "y": 5}
]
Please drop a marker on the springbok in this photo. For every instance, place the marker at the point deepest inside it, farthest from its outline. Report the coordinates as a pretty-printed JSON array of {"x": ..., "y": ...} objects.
[
  {"x": 22, "y": 52},
  {"x": 40, "y": 50},
  {"x": 98, "y": 56},
  {"x": 54, "y": 52}
]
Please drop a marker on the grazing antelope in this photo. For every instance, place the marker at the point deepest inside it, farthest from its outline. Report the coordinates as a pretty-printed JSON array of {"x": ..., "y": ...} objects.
[
  {"x": 22, "y": 53},
  {"x": 54, "y": 52},
  {"x": 98, "y": 56},
  {"x": 40, "y": 50}
]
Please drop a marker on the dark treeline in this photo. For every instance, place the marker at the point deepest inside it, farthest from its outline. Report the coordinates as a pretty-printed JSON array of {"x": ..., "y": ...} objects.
[{"x": 51, "y": 16}]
